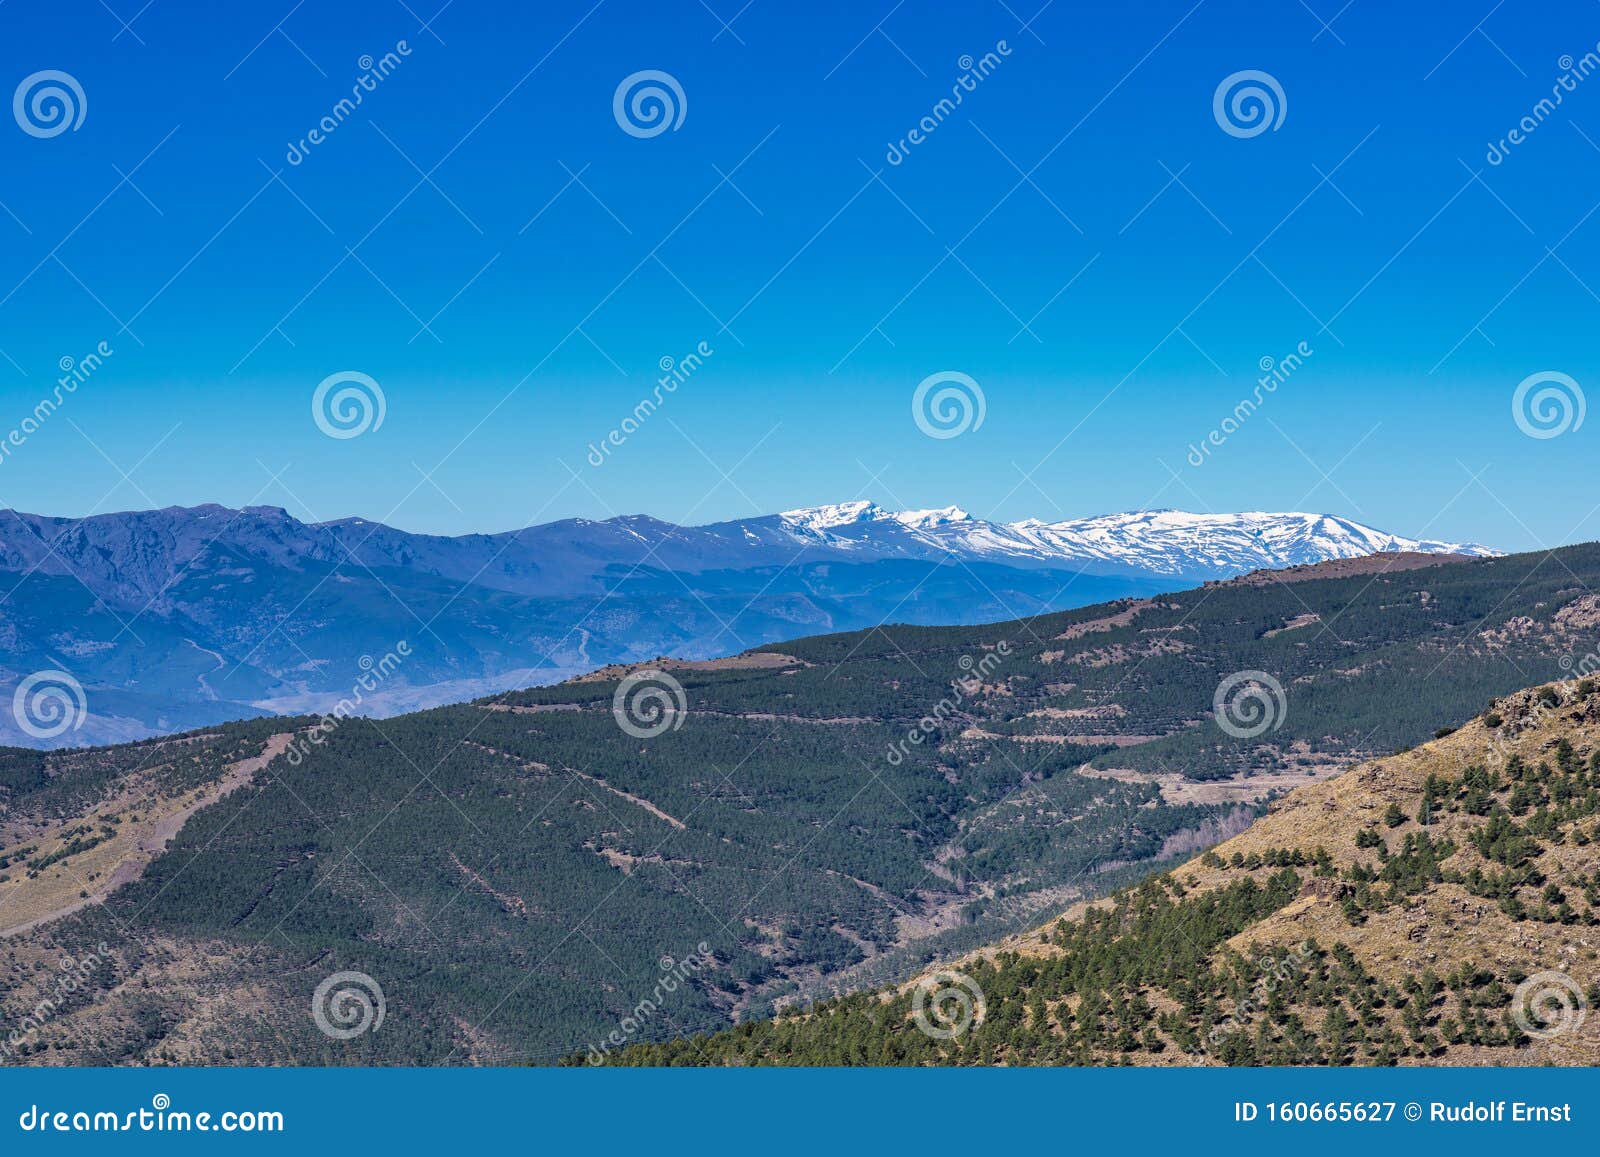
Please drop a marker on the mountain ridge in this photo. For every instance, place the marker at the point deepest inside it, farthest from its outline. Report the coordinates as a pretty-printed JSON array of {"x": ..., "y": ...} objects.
[
  {"x": 1164, "y": 541},
  {"x": 185, "y": 616}
]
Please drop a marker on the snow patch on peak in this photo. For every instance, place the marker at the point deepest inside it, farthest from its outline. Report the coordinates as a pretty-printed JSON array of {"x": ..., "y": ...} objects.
[
  {"x": 820, "y": 518},
  {"x": 1180, "y": 542},
  {"x": 920, "y": 519}
]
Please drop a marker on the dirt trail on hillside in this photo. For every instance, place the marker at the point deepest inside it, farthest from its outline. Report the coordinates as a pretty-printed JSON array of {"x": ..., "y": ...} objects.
[{"x": 123, "y": 858}]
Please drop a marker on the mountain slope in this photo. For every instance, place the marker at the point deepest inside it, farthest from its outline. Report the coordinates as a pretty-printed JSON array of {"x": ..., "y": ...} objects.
[
  {"x": 1437, "y": 907},
  {"x": 181, "y": 618},
  {"x": 825, "y": 816}
]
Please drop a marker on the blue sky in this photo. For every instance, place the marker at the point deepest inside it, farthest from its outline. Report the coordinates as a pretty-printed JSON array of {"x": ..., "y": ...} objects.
[{"x": 1080, "y": 236}]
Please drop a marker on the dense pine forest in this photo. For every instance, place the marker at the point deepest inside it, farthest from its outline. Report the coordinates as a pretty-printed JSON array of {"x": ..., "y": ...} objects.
[{"x": 1431, "y": 935}]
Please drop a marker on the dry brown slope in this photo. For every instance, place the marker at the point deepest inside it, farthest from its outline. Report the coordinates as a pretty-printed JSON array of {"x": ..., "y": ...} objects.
[
  {"x": 119, "y": 835},
  {"x": 1446, "y": 925}
]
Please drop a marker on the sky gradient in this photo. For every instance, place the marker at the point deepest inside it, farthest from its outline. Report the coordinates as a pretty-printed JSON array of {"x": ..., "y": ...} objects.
[{"x": 1080, "y": 236}]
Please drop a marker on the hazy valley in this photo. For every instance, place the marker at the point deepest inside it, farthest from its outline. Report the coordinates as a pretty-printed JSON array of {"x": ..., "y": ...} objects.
[{"x": 180, "y": 618}]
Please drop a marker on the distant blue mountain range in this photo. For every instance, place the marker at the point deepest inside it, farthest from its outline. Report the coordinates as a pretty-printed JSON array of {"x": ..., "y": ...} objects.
[{"x": 177, "y": 618}]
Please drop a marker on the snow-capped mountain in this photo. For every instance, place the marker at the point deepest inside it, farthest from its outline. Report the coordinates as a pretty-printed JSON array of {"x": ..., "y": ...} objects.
[{"x": 1164, "y": 542}]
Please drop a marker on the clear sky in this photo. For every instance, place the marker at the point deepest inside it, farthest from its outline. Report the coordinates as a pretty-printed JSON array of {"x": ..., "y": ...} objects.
[{"x": 1080, "y": 235}]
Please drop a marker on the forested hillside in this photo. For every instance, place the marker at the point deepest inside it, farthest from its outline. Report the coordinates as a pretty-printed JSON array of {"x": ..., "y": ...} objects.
[
  {"x": 822, "y": 817},
  {"x": 1436, "y": 907}
]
